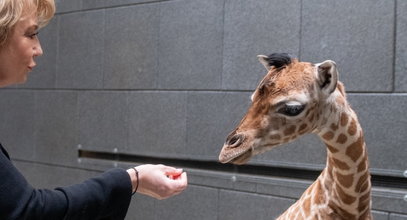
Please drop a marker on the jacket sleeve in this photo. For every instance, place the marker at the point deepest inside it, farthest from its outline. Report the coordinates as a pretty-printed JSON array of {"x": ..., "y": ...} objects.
[{"x": 104, "y": 197}]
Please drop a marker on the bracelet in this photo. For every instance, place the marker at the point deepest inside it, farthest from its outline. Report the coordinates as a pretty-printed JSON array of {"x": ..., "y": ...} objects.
[{"x": 137, "y": 181}]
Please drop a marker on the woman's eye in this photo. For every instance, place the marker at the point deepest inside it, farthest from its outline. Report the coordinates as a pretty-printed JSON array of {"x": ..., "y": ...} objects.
[
  {"x": 291, "y": 110},
  {"x": 33, "y": 35}
]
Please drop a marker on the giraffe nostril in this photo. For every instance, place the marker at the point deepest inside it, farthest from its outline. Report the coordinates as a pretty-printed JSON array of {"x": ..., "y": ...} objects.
[{"x": 235, "y": 140}]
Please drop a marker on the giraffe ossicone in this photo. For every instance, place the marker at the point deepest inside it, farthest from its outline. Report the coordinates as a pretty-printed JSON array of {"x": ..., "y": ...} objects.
[{"x": 296, "y": 98}]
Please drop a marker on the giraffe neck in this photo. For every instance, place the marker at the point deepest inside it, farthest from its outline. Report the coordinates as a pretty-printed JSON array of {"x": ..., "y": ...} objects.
[{"x": 346, "y": 178}]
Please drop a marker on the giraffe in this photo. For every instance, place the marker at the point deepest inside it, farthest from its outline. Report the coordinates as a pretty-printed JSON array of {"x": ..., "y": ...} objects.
[{"x": 296, "y": 98}]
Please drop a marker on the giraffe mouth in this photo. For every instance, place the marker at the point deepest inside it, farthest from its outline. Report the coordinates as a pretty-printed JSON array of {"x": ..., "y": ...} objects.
[
  {"x": 243, "y": 158},
  {"x": 235, "y": 156}
]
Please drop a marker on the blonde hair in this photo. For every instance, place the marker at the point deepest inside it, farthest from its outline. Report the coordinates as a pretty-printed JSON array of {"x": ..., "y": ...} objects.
[{"x": 12, "y": 10}]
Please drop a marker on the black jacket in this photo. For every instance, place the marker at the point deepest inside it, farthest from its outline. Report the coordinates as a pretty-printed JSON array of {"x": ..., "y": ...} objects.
[{"x": 104, "y": 197}]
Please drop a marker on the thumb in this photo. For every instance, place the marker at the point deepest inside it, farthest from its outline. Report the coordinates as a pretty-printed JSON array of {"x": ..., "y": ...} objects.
[{"x": 173, "y": 172}]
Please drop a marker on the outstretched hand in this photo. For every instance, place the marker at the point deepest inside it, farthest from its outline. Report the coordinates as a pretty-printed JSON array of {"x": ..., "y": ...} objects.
[{"x": 159, "y": 181}]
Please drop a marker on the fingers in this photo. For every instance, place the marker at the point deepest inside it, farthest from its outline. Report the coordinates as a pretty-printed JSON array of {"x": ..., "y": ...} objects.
[
  {"x": 172, "y": 173},
  {"x": 171, "y": 170},
  {"x": 172, "y": 186},
  {"x": 182, "y": 182},
  {"x": 161, "y": 181},
  {"x": 177, "y": 182},
  {"x": 175, "y": 174}
]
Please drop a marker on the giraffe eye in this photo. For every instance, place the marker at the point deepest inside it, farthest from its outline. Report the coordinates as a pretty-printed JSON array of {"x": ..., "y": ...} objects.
[{"x": 291, "y": 110}]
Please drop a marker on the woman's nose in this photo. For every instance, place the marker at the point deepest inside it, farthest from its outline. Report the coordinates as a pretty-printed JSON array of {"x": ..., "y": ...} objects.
[{"x": 38, "y": 49}]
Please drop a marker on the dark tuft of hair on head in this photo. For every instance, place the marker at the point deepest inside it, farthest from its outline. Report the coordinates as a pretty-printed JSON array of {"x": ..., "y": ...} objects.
[{"x": 278, "y": 60}]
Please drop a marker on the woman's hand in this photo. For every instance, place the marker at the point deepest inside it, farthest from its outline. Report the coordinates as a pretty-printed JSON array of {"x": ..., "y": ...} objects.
[{"x": 158, "y": 181}]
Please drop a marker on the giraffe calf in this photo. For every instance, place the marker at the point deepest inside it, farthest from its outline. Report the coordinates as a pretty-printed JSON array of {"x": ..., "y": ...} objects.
[{"x": 296, "y": 98}]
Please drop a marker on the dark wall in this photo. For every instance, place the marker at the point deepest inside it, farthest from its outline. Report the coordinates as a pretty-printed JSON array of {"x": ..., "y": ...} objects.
[{"x": 155, "y": 80}]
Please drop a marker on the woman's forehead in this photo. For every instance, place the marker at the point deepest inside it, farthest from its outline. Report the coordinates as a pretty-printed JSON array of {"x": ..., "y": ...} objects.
[{"x": 29, "y": 18}]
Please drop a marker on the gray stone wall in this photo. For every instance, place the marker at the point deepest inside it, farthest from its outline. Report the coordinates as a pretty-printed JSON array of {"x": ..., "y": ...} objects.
[{"x": 170, "y": 79}]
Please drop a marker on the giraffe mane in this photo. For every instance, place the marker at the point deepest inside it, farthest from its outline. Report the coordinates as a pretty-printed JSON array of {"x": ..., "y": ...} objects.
[{"x": 279, "y": 60}]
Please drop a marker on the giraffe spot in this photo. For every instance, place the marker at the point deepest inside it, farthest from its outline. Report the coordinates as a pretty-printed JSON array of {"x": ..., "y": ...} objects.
[
  {"x": 331, "y": 205},
  {"x": 290, "y": 130},
  {"x": 341, "y": 165},
  {"x": 364, "y": 187},
  {"x": 365, "y": 215},
  {"x": 330, "y": 168},
  {"x": 362, "y": 183},
  {"x": 342, "y": 139},
  {"x": 292, "y": 212},
  {"x": 352, "y": 127},
  {"x": 345, "y": 180},
  {"x": 307, "y": 206},
  {"x": 345, "y": 214},
  {"x": 328, "y": 135},
  {"x": 346, "y": 198},
  {"x": 318, "y": 195},
  {"x": 275, "y": 137},
  {"x": 312, "y": 117},
  {"x": 334, "y": 127},
  {"x": 324, "y": 121},
  {"x": 308, "y": 112},
  {"x": 355, "y": 150},
  {"x": 302, "y": 128},
  {"x": 364, "y": 201},
  {"x": 364, "y": 206},
  {"x": 332, "y": 149},
  {"x": 362, "y": 165},
  {"x": 344, "y": 119}
]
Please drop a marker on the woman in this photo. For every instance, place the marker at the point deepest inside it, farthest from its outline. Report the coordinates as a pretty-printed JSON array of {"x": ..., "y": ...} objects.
[{"x": 106, "y": 196}]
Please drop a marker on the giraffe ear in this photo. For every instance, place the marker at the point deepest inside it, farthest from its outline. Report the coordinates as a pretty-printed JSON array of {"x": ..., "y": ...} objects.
[
  {"x": 327, "y": 76},
  {"x": 264, "y": 60}
]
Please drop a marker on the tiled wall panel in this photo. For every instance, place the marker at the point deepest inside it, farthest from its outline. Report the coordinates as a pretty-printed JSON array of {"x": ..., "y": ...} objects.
[
  {"x": 131, "y": 47},
  {"x": 172, "y": 78},
  {"x": 252, "y": 28},
  {"x": 398, "y": 217},
  {"x": 102, "y": 121},
  {"x": 400, "y": 80},
  {"x": 17, "y": 128},
  {"x": 56, "y": 127},
  {"x": 358, "y": 35},
  {"x": 157, "y": 123},
  {"x": 80, "y": 50},
  {"x": 190, "y": 45}
]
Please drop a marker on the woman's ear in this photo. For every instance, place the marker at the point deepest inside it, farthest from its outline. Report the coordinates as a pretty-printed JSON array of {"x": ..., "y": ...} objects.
[{"x": 327, "y": 76}]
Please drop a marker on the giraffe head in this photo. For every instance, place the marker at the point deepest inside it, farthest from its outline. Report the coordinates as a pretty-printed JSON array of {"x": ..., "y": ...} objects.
[{"x": 286, "y": 104}]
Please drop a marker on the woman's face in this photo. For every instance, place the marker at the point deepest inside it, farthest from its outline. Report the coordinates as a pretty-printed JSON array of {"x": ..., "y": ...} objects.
[{"x": 17, "y": 54}]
